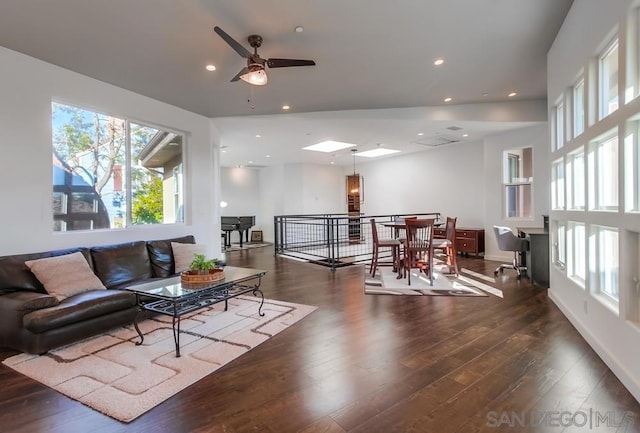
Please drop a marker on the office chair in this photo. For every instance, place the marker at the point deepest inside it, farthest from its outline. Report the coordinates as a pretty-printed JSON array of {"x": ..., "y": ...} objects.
[{"x": 508, "y": 241}]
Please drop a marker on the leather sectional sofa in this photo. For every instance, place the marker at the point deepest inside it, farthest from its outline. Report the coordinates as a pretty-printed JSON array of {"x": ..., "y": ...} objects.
[{"x": 33, "y": 321}]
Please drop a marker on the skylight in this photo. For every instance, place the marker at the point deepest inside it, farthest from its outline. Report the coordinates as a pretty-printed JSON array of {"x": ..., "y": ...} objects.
[
  {"x": 380, "y": 151},
  {"x": 328, "y": 146}
]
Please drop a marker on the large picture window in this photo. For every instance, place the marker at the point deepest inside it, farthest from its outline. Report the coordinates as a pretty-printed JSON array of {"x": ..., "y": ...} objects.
[
  {"x": 517, "y": 181},
  {"x": 110, "y": 173}
]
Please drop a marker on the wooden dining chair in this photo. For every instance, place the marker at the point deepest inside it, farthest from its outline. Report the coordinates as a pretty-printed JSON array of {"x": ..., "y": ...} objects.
[
  {"x": 447, "y": 245},
  {"x": 418, "y": 248},
  {"x": 378, "y": 243}
]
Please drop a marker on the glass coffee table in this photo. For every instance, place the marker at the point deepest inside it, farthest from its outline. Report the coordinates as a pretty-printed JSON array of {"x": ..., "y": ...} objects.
[{"x": 170, "y": 297}]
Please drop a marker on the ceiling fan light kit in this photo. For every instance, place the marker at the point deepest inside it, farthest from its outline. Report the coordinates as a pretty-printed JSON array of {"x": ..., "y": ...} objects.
[{"x": 254, "y": 73}]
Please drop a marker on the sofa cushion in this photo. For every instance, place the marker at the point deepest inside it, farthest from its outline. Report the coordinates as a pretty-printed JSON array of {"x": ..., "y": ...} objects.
[
  {"x": 64, "y": 276},
  {"x": 77, "y": 308},
  {"x": 183, "y": 254},
  {"x": 120, "y": 263},
  {"x": 15, "y": 275},
  {"x": 161, "y": 255}
]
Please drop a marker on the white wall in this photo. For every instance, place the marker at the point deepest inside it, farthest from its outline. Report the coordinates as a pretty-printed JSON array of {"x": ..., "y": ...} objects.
[
  {"x": 447, "y": 179},
  {"x": 27, "y": 88},
  {"x": 536, "y": 137},
  {"x": 589, "y": 25}
]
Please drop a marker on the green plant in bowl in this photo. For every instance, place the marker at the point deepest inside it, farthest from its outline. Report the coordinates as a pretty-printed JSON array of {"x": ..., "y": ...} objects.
[{"x": 201, "y": 265}]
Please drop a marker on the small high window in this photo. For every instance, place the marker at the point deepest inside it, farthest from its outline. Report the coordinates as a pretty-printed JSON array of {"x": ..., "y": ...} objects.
[
  {"x": 608, "y": 82},
  {"x": 603, "y": 173},
  {"x": 578, "y": 108},
  {"x": 576, "y": 180},
  {"x": 604, "y": 263},
  {"x": 517, "y": 182}
]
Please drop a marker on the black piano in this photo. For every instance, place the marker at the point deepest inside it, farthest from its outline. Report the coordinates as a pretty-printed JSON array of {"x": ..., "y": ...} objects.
[{"x": 241, "y": 224}]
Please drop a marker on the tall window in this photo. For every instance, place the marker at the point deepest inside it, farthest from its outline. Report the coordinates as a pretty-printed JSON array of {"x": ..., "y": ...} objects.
[
  {"x": 575, "y": 180},
  {"x": 557, "y": 185},
  {"x": 608, "y": 82},
  {"x": 576, "y": 252},
  {"x": 632, "y": 167},
  {"x": 517, "y": 181},
  {"x": 559, "y": 124},
  {"x": 603, "y": 173},
  {"x": 604, "y": 262},
  {"x": 559, "y": 243},
  {"x": 578, "y": 108},
  {"x": 111, "y": 173}
]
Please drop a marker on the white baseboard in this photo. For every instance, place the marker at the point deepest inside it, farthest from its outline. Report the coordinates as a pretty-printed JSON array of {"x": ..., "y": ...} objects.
[{"x": 627, "y": 379}]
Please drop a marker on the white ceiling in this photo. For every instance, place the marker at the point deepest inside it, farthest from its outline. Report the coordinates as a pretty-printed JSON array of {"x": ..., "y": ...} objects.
[{"x": 370, "y": 54}]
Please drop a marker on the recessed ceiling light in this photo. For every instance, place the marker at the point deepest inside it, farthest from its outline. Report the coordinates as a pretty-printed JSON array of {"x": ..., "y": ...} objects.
[
  {"x": 465, "y": 135},
  {"x": 250, "y": 162},
  {"x": 258, "y": 136},
  {"x": 267, "y": 156},
  {"x": 420, "y": 133},
  {"x": 299, "y": 29},
  {"x": 210, "y": 68},
  {"x": 328, "y": 146},
  {"x": 447, "y": 99},
  {"x": 380, "y": 151},
  {"x": 332, "y": 163},
  {"x": 438, "y": 62},
  {"x": 485, "y": 94},
  {"x": 512, "y": 94},
  {"x": 224, "y": 151},
  {"x": 285, "y": 107}
]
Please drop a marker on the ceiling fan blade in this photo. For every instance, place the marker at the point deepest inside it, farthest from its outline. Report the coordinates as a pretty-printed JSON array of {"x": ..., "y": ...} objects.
[
  {"x": 242, "y": 72},
  {"x": 285, "y": 63},
  {"x": 232, "y": 43}
]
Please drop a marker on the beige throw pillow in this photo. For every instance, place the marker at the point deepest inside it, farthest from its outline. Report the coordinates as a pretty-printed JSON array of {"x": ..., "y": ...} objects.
[
  {"x": 65, "y": 276},
  {"x": 183, "y": 254}
]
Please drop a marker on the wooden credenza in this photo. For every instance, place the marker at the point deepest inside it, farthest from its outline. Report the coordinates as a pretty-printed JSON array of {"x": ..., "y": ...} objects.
[{"x": 468, "y": 241}]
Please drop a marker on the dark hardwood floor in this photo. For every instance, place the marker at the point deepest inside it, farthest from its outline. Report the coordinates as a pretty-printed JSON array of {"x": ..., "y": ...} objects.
[{"x": 371, "y": 363}]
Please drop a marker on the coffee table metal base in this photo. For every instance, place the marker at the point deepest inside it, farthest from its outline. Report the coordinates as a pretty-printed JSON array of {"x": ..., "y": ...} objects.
[{"x": 176, "y": 308}]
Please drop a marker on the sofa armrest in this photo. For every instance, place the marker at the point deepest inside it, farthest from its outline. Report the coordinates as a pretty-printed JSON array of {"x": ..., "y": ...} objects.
[
  {"x": 13, "y": 307},
  {"x": 25, "y": 302}
]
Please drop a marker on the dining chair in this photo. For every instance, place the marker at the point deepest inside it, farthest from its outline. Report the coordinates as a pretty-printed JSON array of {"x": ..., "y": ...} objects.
[
  {"x": 378, "y": 243},
  {"x": 447, "y": 245},
  {"x": 418, "y": 248}
]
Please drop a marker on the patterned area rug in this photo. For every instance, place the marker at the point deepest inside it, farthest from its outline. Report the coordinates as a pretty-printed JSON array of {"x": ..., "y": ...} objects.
[
  {"x": 386, "y": 282},
  {"x": 110, "y": 374}
]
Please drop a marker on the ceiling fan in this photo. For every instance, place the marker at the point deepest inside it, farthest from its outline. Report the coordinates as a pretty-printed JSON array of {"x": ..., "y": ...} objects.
[{"x": 254, "y": 73}]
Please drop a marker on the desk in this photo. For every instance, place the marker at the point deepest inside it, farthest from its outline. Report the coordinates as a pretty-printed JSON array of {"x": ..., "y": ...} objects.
[{"x": 538, "y": 255}]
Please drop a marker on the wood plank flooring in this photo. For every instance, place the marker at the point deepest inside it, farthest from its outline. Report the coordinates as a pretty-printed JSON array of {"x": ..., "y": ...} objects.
[{"x": 372, "y": 363}]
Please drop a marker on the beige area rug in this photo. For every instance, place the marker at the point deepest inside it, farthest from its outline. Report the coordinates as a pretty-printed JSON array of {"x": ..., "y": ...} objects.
[
  {"x": 386, "y": 282},
  {"x": 110, "y": 374}
]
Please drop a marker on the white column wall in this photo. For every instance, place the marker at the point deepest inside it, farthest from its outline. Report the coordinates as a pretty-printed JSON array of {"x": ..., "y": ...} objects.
[
  {"x": 27, "y": 88},
  {"x": 588, "y": 26}
]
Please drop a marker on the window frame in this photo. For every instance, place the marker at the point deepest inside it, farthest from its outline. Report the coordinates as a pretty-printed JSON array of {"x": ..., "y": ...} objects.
[{"x": 126, "y": 165}]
